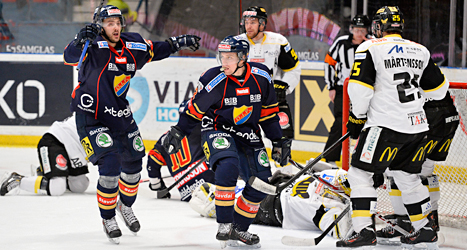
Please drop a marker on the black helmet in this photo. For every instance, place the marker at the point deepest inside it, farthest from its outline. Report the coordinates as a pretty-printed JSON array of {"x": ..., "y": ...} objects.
[
  {"x": 362, "y": 21},
  {"x": 255, "y": 11},
  {"x": 109, "y": 11},
  {"x": 388, "y": 18},
  {"x": 231, "y": 44}
]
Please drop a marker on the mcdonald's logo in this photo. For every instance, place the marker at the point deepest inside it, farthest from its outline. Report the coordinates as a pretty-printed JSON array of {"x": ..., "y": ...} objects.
[
  {"x": 420, "y": 151},
  {"x": 447, "y": 144},
  {"x": 391, "y": 154},
  {"x": 430, "y": 146}
]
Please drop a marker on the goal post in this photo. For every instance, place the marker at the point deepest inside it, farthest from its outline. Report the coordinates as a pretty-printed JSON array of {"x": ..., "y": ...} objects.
[{"x": 452, "y": 206}]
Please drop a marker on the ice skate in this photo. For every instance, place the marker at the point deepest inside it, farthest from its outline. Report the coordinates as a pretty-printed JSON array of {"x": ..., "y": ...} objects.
[
  {"x": 425, "y": 238},
  {"x": 126, "y": 214},
  {"x": 365, "y": 239},
  {"x": 223, "y": 233},
  {"x": 390, "y": 236},
  {"x": 10, "y": 183},
  {"x": 250, "y": 240},
  {"x": 112, "y": 230}
]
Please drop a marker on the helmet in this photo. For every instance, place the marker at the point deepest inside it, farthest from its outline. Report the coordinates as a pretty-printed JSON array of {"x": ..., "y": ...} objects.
[
  {"x": 108, "y": 11},
  {"x": 361, "y": 21},
  {"x": 388, "y": 18},
  {"x": 255, "y": 11},
  {"x": 231, "y": 44}
]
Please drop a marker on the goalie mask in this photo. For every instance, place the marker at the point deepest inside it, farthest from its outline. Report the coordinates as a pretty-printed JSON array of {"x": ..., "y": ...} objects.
[
  {"x": 387, "y": 18},
  {"x": 342, "y": 182}
]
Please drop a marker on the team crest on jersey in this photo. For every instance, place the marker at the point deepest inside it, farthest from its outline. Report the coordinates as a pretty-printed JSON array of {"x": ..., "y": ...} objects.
[
  {"x": 213, "y": 83},
  {"x": 242, "y": 114},
  {"x": 138, "y": 46},
  {"x": 104, "y": 140},
  {"x": 102, "y": 44},
  {"x": 138, "y": 144},
  {"x": 261, "y": 72},
  {"x": 121, "y": 84}
]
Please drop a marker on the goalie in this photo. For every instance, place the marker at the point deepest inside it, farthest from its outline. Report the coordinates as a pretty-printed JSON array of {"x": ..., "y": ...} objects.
[{"x": 305, "y": 205}]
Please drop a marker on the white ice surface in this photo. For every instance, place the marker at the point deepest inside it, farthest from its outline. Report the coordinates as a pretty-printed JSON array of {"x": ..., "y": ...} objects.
[{"x": 72, "y": 221}]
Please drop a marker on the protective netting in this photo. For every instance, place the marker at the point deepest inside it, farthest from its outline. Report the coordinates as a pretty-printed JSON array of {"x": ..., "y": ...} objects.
[{"x": 452, "y": 174}]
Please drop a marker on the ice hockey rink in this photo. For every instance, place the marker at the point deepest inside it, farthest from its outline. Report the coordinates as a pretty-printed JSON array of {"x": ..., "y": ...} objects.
[{"x": 72, "y": 221}]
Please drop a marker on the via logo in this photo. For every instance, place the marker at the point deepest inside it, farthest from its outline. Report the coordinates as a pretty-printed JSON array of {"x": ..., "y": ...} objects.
[
  {"x": 397, "y": 48},
  {"x": 138, "y": 97}
]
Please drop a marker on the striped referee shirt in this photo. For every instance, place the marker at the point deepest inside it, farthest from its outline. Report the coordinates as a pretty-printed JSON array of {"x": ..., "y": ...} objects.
[{"x": 339, "y": 61}]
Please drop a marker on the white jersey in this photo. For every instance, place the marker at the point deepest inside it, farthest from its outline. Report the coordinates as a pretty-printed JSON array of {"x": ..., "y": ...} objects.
[
  {"x": 390, "y": 79},
  {"x": 65, "y": 131},
  {"x": 275, "y": 52},
  {"x": 304, "y": 197}
]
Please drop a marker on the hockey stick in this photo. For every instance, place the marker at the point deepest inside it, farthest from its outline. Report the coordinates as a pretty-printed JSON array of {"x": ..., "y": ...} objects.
[
  {"x": 85, "y": 48},
  {"x": 295, "y": 241},
  {"x": 264, "y": 187},
  {"x": 162, "y": 193}
]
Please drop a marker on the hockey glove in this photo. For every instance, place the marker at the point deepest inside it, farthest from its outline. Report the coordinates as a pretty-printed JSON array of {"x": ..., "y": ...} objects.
[
  {"x": 156, "y": 184},
  {"x": 172, "y": 141},
  {"x": 355, "y": 125},
  {"x": 89, "y": 32},
  {"x": 281, "y": 88},
  {"x": 184, "y": 41},
  {"x": 378, "y": 180},
  {"x": 278, "y": 177},
  {"x": 281, "y": 151}
]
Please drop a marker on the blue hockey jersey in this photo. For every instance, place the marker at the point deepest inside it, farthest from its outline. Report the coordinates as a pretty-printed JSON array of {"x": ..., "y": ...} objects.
[
  {"x": 224, "y": 103},
  {"x": 104, "y": 77}
]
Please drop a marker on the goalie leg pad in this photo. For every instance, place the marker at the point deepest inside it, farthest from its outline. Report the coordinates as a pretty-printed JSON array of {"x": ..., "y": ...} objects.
[{"x": 56, "y": 186}]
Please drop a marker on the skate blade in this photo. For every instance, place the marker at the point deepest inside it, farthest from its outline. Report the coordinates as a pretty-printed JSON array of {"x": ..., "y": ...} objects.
[
  {"x": 114, "y": 240},
  {"x": 420, "y": 246},
  {"x": 357, "y": 248},
  {"x": 239, "y": 244},
  {"x": 390, "y": 242},
  {"x": 223, "y": 244}
]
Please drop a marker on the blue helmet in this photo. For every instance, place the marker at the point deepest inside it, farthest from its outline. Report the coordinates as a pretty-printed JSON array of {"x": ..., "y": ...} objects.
[
  {"x": 232, "y": 44},
  {"x": 108, "y": 11}
]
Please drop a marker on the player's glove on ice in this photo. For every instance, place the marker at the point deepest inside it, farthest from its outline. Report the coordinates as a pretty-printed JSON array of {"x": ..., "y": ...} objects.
[
  {"x": 172, "y": 141},
  {"x": 156, "y": 184},
  {"x": 281, "y": 151},
  {"x": 280, "y": 87},
  {"x": 184, "y": 41},
  {"x": 89, "y": 32},
  {"x": 355, "y": 125}
]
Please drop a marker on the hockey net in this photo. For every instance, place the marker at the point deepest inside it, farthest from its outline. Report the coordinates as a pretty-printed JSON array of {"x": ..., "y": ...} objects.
[{"x": 452, "y": 207}]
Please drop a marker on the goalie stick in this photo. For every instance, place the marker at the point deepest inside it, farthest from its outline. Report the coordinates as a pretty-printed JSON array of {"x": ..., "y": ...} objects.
[
  {"x": 264, "y": 187},
  {"x": 163, "y": 192},
  {"x": 296, "y": 241},
  {"x": 85, "y": 48}
]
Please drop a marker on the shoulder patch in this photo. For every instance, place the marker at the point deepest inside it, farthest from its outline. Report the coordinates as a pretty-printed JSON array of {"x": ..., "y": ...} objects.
[
  {"x": 213, "y": 83},
  {"x": 103, "y": 44},
  {"x": 360, "y": 56},
  {"x": 287, "y": 48},
  {"x": 261, "y": 72},
  {"x": 138, "y": 46}
]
